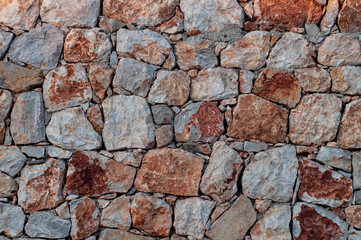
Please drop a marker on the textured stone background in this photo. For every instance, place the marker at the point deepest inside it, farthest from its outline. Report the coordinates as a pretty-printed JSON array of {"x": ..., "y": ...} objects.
[{"x": 180, "y": 119}]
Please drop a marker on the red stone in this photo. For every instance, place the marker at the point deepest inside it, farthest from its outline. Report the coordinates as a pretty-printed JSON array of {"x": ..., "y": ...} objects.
[{"x": 349, "y": 18}]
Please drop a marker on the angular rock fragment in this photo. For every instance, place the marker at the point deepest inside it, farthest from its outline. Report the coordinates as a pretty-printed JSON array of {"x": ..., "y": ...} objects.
[
  {"x": 19, "y": 14},
  {"x": 164, "y": 135},
  {"x": 6, "y": 102},
  {"x": 112, "y": 234},
  {"x": 335, "y": 157},
  {"x": 11, "y": 160},
  {"x": 349, "y": 133},
  {"x": 346, "y": 80},
  {"x": 171, "y": 171},
  {"x": 356, "y": 170},
  {"x": 117, "y": 214},
  {"x": 95, "y": 116},
  {"x": 313, "y": 79},
  {"x": 162, "y": 114},
  {"x": 8, "y": 186},
  {"x": 5, "y": 40},
  {"x": 12, "y": 219},
  {"x": 329, "y": 19},
  {"x": 129, "y": 158},
  {"x": 56, "y": 152},
  {"x": 353, "y": 215},
  {"x": 349, "y": 19},
  {"x": 246, "y": 81},
  {"x": 354, "y": 234}
]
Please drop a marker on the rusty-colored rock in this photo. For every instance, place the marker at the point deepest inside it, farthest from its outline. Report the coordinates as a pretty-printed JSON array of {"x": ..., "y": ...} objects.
[
  {"x": 353, "y": 215},
  {"x": 313, "y": 79},
  {"x": 349, "y": 18},
  {"x": 117, "y": 214},
  {"x": 95, "y": 117},
  {"x": 19, "y": 14},
  {"x": 8, "y": 186},
  {"x": 172, "y": 171},
  {"x": 100, "y": 79},
  {"x": 349, "y": 134}
]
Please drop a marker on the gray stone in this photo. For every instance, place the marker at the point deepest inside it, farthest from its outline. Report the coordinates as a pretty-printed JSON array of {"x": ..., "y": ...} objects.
[
  {"x": 329, "y": 19},
  {"x": 19, "y": 14},
  {"x": 191, "y": 216},
  {"x": 110, "y": 25},
  {"x": 57, "y": 152},
  {"x": 128, "y": 123},
  {"x": 117, "y": 214},
  {"x": 11, "y": 160},
  {"x": 40, "y": 47},
  {"x": 230, "y": 33},
  {"x": 221, "y": 175},
  {"x": 162, "y": 114},
  {"x": 164, "y": 135},
  {"x": 70, "y": 129},
  {"x": 292, "y": 51},
  {"x": 346, "y": 80},
  {"x": 8, "y": 186},
  {"x": 47, "y": 225},
  {"x": 214, "y": 84},
  {"x": 5, "y": 40},
  {"x": 314, "y": 34},
  {"x": 356, "y": 170},
  {"x": 357, "y": 196},
  {"x": 354, "y": 234},
  {"x": 113, "y": 234},
  {"x": 246, "y": 78},
  {"x": 6, "y": 102},
  {"x": 335, "y": 157},
  {"x": 129, "y": 158},
  {"x": 134, "y": 76},
  {"x": 255, "y": 146},
  {"x": 271, "y": 174},
  {"x": 27, "y": 119},
  {"x": 313, "y": 79},
  {"x": 12, "y": 219},
  {"x": 32, "y": 151},
  {"x": 63, "y": 211},
  {"x": 82, "y": 13}
]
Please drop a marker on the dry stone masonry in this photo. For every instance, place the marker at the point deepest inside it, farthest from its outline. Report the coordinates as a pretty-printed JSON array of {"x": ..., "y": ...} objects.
[{"x": 180, "y": 119}]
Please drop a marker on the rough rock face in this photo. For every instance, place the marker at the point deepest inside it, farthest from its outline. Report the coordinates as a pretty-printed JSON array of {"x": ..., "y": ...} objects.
[
  {"x": 111, "y": 234},
  {"x": 292, "y": 51},
  {"x": 170, "y": 87},
  {"x": 329, "y": 19},
  {"x": 274, "y": 225},
  {"x": 313, "y": 179},
  {"x": 191, "y": 215},
  {"x": 92, "y": 174},
  {"x": 8, "y": 186},
  {"x": 271, "y": 174},
  {"x": 234, "y": 223},
  {"x": 84, "y": 45},
  {"x": 100, "y": 79},
  {"x": 152, "y": 215},
  {"x": 40, "y": 47},
  {"x": 199, "y": 122},
  {"x": 41, "y": 185},
  {"x": 70, "y": 129},
  {"x": 11, "y": 160},
  {"x": 246, "y": 78},
  {"x": 6, "y": 102},
  {"x": 195, "y": 52},
  {"x": 131, "y": 44},
  {"x": 356, "y": 167},
  {"x": 5, "y": 40},
  {"x": 278, "y": 86},
  {"x": 353, "y": 215},
  {"x": 172, "y": 171},
  {"x": 250, "y": 52},
  {"x": 147, "y": 13},
  {"x": 221, "y": 175},
  {"x": 66, "y": 86},
  {"x": 257, "y": 119},
  {"x": 314, "y": 222},
  {"x": 349, "y": 19},
  {"x": 345, "y": 79},
  {"x": 19, "y": 14},
  {"x": 117, "y": 214},
  {"x": 12, "y": 219},
  {"x": 335, "y": 157},
  {"x": 349, "y": 131},
  {"x": 313, "y": 79},
  {"x": 120, "y": 130},
  {"x": 211, "y": 15},
  {"x": 82, "y": 13},
  {"x": 322, "y": 127}
]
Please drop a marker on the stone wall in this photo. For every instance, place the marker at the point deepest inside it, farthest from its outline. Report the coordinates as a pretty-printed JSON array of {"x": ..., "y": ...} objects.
[{"x": 180, "y": 119}]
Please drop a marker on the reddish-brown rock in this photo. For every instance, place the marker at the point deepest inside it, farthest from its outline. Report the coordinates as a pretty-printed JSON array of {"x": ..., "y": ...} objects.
[
  {"x": 152, "y": 215},
  {"x": 100, "y": 79},
  {"x": 92, "y": 174},
  {"x": 314, "y": 177},
  {"x": 349, "y": 18},
  {"x": 8, "y": 186},
  {"x": 350, "y": 127},
  {"x": 95, "y": 117},
  {"x": 313, "y": 79},
  {"x": 353, "y": 215},
  {"x": 278, "y": 86},
  {"x": 172, "y": 171},
  {"x": 19, "y": 14},
  {"x": 257, "y": 119}
]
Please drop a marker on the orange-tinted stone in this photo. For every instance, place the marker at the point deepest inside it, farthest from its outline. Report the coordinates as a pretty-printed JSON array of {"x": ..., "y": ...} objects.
[{"x": 349, "y": 18}]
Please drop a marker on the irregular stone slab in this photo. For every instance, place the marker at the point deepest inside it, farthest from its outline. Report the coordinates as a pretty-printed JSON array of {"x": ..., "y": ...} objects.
[
  {"x": 234, "y": 223},
  {"x": 314, "y": 222},
  {"x": 60, "y": 153},
  {"x": 350, "y": 127},
  {"x": 162, "y": 114},
  {"x": 271, "y": 174},
  {"x": 121, "y": 131},
  {"x": 18, "y": 79},
  {"x": 314, "y": 177},
  {"x": 356, "y": 170},
  {"x": 354, "y": 234},
  {"x": 292, "y": 51},
  {"x": 215, "y": 84},
  {"x": 191, "y": 216},
  {"x": 313, "y": 79},
  {"x": 117, "y": 214},
  {"x": 211, "y": 15},
  {"x": 199, "y": 122},
  {"x": 5, "y": 40},
  {"x": 349, "y": 19},
  {"x": 174, "y": 25},
  {"x": 11, "y": 160},
  {"x": 36, "y": 152},
  {"x": 274, "y": 225},
  {"x": 12, "y": 219},
  {"x": 83, "y": 13},
  {"x": 100, "y": 79},
  {"x": 325, "y": 110},
  {"x": 70, "y": 129},
  {"x": 146, "y": 13},
  {"x": 65, "y": 87},
  {"x": 19, "y": 14},
  {"x": 221, "y": 175},
  {"x": 278, "y": 86},
  {"x": 86, "y": 45},
  {"x": 134, "y": 76},
  {"x": 85, "y": 217},
  {"x": 144, "y": 45},
  {"x": 170, "y": 87},
  {"x": 254, "y": 146},
  {"x": 171, "y": 171},
  {"x": 47, "y": 225},
  {"x": 339, "y": 50},
  {"x": 250, "y": 52},
  {"x": 151, "y": 215},
  {"x": 27, "y": 119},
  {"x": 112, "y": 234},
  {"x": 195, "y": 52},
  {"x": 353, "y": 215},
  {"x": 93, "y": 174},
  {"x": 335, "y": 157},
  {"x": 257, "y": 119},
  {"x": 329, "y": 19},
  {"x": 94, "y": 114},
  {"x": 41, "y": 185},
  {"x": 346, "y": 80},
  {"x": 246, "y": 81},
  {"x": 164, "y": 135},
  {"x": 8, "y": 186},
  {"x": 40, "y": 47},
  {"x": 63, "y": 211},
  {"x": 6, "y": 102},
  {"x": 271, "y": 12},
  {"x": 129, "y": 158}
]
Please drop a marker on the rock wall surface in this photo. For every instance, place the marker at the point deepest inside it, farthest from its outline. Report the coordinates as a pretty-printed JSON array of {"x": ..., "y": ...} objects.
[{"x": 180, "y": 119}]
